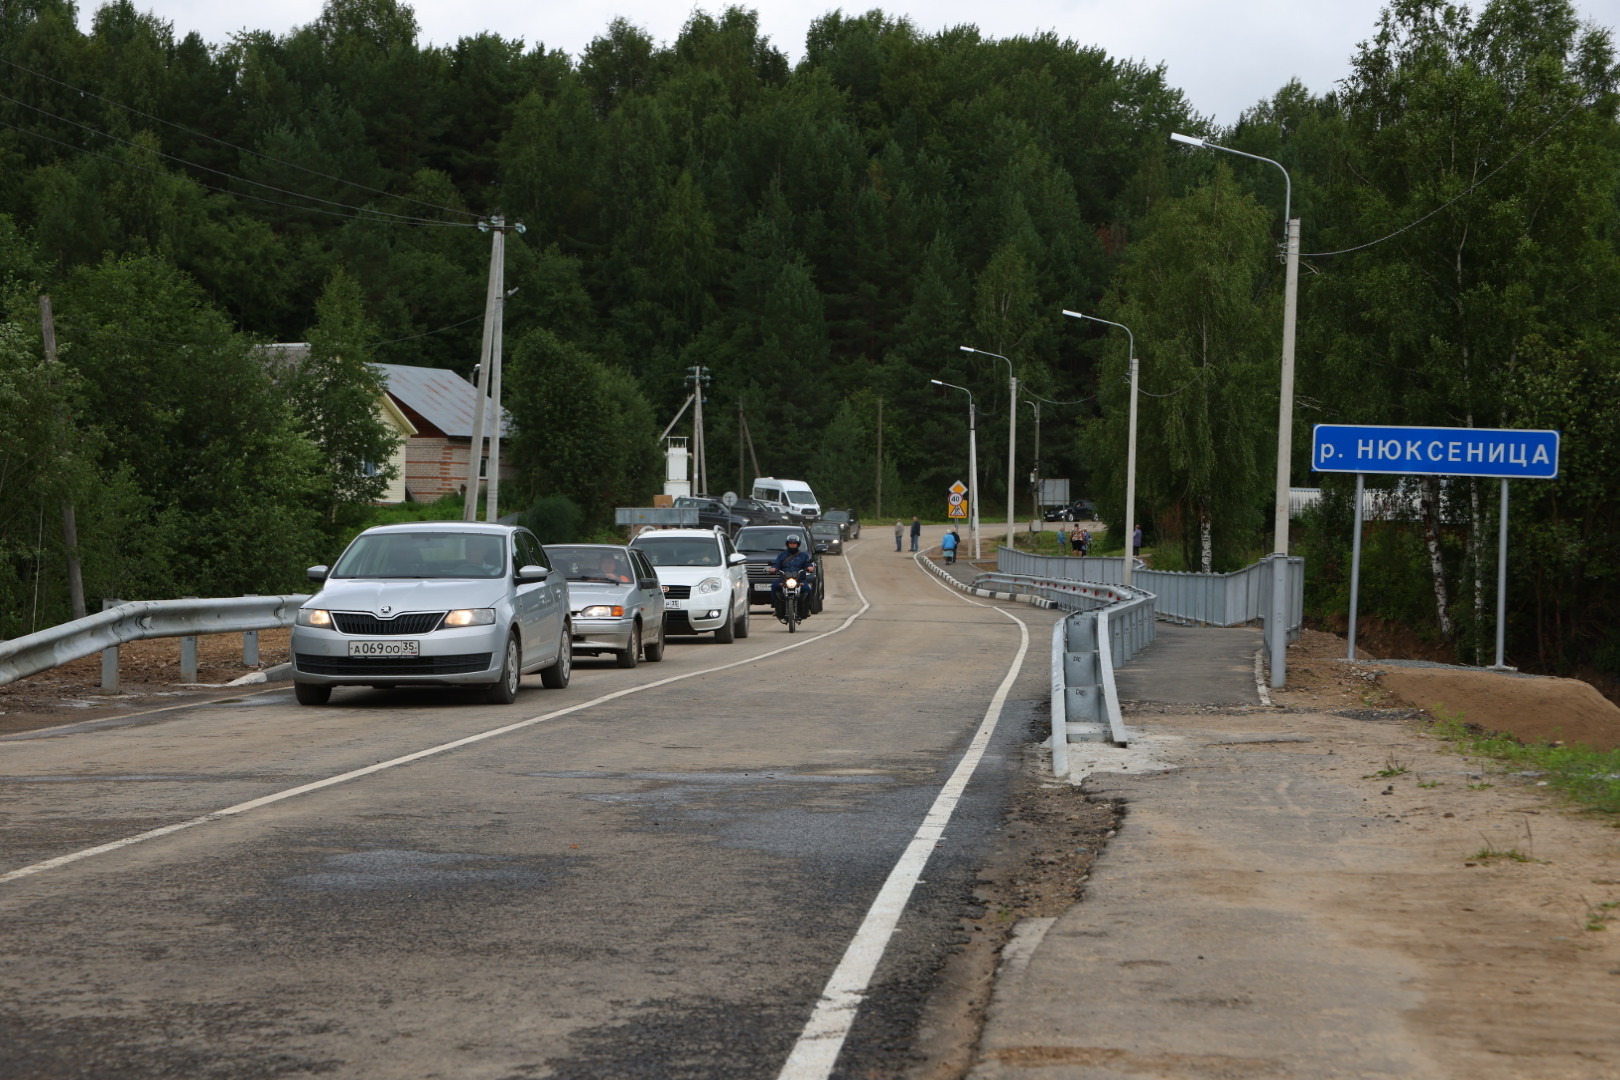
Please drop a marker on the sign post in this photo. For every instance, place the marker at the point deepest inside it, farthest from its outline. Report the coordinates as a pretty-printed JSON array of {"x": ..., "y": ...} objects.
[{"x": 1498, "y": 453}]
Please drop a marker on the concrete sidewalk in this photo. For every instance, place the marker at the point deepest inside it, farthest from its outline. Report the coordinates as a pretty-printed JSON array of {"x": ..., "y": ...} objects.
[{"x": 1283, "y": 899}]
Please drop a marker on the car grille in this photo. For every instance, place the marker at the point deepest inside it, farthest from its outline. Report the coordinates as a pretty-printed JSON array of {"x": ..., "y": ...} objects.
[
  {"x": 388, "y": 666},
  {"x": 677, "y": 592},
  {"x": 760, "y": 572},
  {"x": 361, "y": 622}
]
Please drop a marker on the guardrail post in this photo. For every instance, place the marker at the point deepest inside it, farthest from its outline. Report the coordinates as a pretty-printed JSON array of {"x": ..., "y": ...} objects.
[
  {"x": 188, "y": 654},
  {"x": 250, "y": 646},
  {"x": 109, "y": 657}
]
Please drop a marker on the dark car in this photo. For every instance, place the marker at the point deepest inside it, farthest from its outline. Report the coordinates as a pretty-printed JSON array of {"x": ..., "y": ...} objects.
[
  {"x": 1079, "y": 510},
  {"x": 712, "y": 513},
  {"x": 829, "y": 537},
  {"x": 848, "y": 519},
  {"x": 760, "y": 513},
  {"x": 761, "y": 544}
]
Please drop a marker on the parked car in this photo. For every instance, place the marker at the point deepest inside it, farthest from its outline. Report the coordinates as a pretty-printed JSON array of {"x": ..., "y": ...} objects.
[
  {"x": 759, "y": 513},
  {"x": 1078, "y": 510},
  {"x": 704, "y": 584},
  {"x": 434, "y": 603},
  {"x": 828, "y": 537},
  {"x": 760, "y": 545},
  {"x": 615, "y": 601},
  {"x": 849, "y": 519},
  {"x": 712, "y": 513}
]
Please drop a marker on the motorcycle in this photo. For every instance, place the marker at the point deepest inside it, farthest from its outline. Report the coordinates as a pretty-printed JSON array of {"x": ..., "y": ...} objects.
[{"x": 797, "y": 591}]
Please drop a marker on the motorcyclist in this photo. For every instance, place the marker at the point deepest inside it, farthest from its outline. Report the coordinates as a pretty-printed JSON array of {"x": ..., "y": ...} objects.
[{"x": 791, "y": 562}]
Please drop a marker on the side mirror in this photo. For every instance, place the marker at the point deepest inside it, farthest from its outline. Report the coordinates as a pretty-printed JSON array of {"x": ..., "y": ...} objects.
[
  {"x": 318, "y": 573},
  {"x": 736, "y": 557},
  {"x": 531, "y": 573}
]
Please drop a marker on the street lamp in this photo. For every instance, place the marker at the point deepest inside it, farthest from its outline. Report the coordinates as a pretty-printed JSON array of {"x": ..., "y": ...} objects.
[
  {"x": 1285, "y": 412},
  {"x": 1130, "y": 445},
  {"x": 1012, "y": 432},
  {"x": 973, "y": 467}
]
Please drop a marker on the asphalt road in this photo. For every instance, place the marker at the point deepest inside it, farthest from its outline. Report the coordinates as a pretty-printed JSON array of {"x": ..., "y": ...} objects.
[{"x": 658, "y": 883}]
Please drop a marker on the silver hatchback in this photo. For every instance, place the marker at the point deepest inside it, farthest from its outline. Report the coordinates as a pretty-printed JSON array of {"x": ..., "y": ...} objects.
[{"x": 434, "y": 603}]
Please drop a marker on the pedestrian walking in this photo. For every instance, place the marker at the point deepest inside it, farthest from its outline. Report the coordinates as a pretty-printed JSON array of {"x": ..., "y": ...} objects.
[
  {"x": 1075, "y": 536},
  {"x": 947, "y": 544},
  {"x": 1085, "y": 542},
  {"x": 1063, "y": 541},
  {"x": 916, "y": 531},
  {"x": 899, "y": 533},
  {"x": 1136, "y": 542}
]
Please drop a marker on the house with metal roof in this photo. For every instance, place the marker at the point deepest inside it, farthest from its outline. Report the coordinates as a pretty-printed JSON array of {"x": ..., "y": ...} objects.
[{"x": 439, "y": 406}]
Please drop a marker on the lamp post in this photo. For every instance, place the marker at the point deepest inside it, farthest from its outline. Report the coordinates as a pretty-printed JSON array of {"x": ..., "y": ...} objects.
[
  {"x": 1012, "y": 432},
  {"x": 1285, "y": 412},
  {"x": 1130, "y": 444},
  {"x": 973, "y": 468}
]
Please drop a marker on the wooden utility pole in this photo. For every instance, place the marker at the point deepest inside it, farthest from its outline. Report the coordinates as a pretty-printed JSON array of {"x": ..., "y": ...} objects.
[
  {"x": 70, "y": 521},
  {"x": 877, "y": 515}
]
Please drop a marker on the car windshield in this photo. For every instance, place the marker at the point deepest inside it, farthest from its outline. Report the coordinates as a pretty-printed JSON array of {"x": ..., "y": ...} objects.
[
  {"x": 423, "y": 555},
  {"x": 836, "y": 515},
  {"x": 679, "y": 550},
  {"x": 798, "y": 495},
  {"x": 590, "y": 563},
  {"x": 827, "y": 529},
  {"x": 757, "y": 540}
]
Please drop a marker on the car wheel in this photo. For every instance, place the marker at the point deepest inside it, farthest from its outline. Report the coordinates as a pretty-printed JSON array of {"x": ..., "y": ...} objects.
[
  {"x": 555, "y": 677},
  {"x": 726, "y": 633},
  {"x": 504, "y": 691},
  {"x": 312, "y": 693},
  {"x": 655, "y": 651},
  {"x": 631, "y": 656},
  {"x": 742, "y": 626}
]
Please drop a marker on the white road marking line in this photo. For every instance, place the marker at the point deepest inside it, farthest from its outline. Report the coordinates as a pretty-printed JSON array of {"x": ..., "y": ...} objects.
[
  {"x": 254, "y": 804},
  {"x": 814, "y": 1055}
]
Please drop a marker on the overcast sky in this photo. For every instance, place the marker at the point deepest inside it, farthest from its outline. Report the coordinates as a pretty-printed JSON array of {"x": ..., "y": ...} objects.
[{"x": 1225, "y": 56}]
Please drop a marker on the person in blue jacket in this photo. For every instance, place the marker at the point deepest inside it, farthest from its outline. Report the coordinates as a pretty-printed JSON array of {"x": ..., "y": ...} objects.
[
  {"x": 791, "y": 562},
  {"x": 948, "y": 546}
]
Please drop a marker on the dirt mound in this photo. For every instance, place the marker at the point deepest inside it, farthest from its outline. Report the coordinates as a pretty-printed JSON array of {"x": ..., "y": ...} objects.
[{"x": 1531, "y": 708}]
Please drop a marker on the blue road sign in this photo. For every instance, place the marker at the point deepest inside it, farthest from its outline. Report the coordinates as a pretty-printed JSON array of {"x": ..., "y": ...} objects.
[{"x": 1508, "y": 453}]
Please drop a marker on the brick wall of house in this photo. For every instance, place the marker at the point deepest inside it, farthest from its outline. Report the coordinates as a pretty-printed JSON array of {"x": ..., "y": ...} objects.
[{"x": 437, "y": 466}]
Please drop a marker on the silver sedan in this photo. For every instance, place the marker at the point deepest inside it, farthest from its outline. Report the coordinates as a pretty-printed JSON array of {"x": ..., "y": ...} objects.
[{"x": 615, "y": 602}]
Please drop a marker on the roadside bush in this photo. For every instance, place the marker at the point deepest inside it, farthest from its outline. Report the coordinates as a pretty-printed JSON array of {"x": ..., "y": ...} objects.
[{"x": 555, "y": 519}]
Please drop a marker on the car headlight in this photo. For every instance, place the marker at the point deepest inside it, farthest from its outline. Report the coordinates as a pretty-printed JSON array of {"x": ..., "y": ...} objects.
[
  {"x": 314, "y": 617},
  {"x": 708, "y": 585},
  {"x": 483, "y": 616},
  {"x": 602, "y": 611}
]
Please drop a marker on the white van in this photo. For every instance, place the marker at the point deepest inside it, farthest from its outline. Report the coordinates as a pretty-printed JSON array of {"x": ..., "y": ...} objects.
[{"x": 792, "y": 496}]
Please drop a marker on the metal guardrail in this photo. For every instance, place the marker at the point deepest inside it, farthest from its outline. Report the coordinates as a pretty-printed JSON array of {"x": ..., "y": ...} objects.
[
  {"x": 1109, "y": 624},
  {"x": 1235, "y": 599},
  {"x": 104, "y": 631}
]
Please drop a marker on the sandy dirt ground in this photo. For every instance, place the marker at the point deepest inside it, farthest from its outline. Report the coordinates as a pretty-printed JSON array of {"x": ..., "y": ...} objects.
[{"x": 149, "y": 676}]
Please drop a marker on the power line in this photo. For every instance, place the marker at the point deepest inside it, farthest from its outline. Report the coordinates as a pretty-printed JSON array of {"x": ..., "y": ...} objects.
[
  {"x": 235, "y": 194},
  {"x": 375, "y": 214},
  {"x": 233, "y": 146},
  {"x": 1463, "y": 195}
]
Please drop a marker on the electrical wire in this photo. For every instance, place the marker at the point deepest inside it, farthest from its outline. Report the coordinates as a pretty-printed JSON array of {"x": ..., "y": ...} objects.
[
  {"x": 372, "y": 215},
  {"x": 1464, "y": 194},
  {"x": 226, "y": 191},
  {"x": 241, "y": 149}
]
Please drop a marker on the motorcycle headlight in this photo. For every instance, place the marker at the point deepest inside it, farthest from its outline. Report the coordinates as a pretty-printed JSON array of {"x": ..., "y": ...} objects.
[
  {"x": 792, "y": 583},
  {"x": 709, "y": 585},
  {"x": 602, "y": 611},
  {"x": 484, "y": 616},
  {"x": 314, "y": 617}
]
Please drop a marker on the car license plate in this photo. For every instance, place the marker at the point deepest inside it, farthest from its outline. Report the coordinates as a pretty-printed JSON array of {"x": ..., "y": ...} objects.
[
  {"x": 672, "y": 605},
  {"x": 383, "y": 648}
]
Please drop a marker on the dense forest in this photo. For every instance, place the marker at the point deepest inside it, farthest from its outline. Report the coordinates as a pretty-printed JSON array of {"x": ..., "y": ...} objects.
[{"x": 822, "y": 237}]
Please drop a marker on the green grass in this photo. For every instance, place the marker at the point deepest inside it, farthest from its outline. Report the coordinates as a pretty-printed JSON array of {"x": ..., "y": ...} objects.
[
  {"x": 1589, "y": 777},
  {"x": 1486, "y": 854}
]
